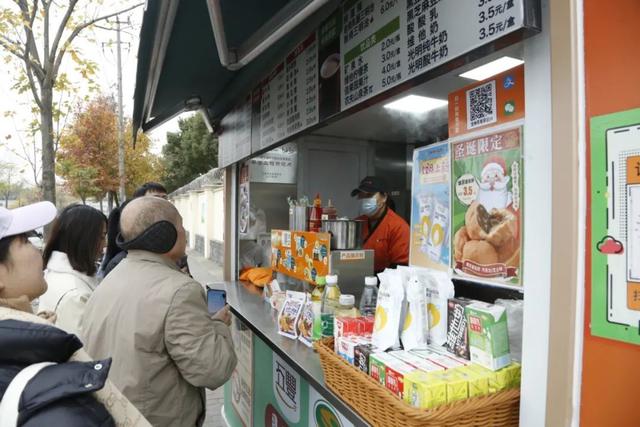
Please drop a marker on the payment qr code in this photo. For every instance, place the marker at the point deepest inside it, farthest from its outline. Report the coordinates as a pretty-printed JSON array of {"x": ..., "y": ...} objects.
[{"x": 481, "y": 105}]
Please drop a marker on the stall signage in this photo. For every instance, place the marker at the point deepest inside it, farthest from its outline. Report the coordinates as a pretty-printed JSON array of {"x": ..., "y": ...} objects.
[
  {"x": 430, "y": 207},
  {"x": 286, "y": 389},
  {"x": 487, "y": 206},
  {"x": 386, "y": 42},
  {"x": 492, "y": 102},
  {"x": 301, "y": 86},
  {"x": 615, "y": 226},
  {"x": 301, "y": 255},
  {"x": 277, "y": 166},
  {"x": 234, "y": 143},
  {"x": 242, "y": 376},
  {"x": 323, "y": 414}
]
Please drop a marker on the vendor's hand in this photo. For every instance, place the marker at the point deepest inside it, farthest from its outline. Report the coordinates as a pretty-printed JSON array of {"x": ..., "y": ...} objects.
[
  {"x": 48, "y": 315},
  {"x": 223, "y": 315}
]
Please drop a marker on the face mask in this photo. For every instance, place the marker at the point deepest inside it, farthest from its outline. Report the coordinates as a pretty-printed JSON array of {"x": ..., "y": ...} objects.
[{"x": 368, "y": 206}]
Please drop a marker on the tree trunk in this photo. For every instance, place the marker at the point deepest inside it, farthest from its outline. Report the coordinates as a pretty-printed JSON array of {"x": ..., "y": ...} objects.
[
  {"x": 48, "y": 155},
  {"x": 110, "y": 201}
]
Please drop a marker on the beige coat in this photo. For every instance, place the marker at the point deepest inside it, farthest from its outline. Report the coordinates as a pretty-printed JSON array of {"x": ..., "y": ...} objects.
[
  {"x": 67, "y": 293},
  {"x": 122, "y": 411},
  {"x": 153, "y": 320}
]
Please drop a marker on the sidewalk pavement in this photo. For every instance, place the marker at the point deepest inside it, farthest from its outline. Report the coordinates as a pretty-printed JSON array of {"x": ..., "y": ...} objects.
[{"x": 205, "y": 271}]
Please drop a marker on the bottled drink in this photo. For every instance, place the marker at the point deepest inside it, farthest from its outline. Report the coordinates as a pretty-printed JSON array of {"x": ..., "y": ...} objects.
[
  {"x": 330, "y": 303},
  {"x": 316, "y": 302},
  {"x": 369, "y": 297},
  {"x": 347, "y": 306}
]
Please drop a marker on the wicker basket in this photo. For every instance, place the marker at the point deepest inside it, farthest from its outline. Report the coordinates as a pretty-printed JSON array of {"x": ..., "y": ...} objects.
[{"x": 381, "y": 408}]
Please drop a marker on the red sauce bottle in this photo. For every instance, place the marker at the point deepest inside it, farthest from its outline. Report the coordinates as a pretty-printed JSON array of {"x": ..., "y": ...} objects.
[{"x": 315, "y": 219}]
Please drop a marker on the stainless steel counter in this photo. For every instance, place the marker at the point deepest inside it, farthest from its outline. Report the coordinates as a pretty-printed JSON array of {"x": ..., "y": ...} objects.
[{"x": 247, "y": 303}]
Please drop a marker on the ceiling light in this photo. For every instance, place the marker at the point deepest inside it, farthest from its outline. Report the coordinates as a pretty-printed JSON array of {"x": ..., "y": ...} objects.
[
  {"x": 416, "y": 104},
  {"x": 492, "y": 68}
]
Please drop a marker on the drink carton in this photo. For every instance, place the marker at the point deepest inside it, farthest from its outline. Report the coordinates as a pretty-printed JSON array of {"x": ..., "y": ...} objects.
[
  {"x": 438, "y": 359},
  {"x": 444, "y": 352},
  {"x": 345, "y": 327},
  {"x": 362, "y": 353},
  {"x": 457, "y": 336},
  {"x": 488, "y": 335},
  {"x": 457, "y": 385},
  {"x": 423, "y": 390},
  {"x": 346, "y": 348},
  {"x": 478, "y": 381},
  {"x": 395, "y": 372},
  {"x": 416, "y": 361},
  {"x": 377, "y": 366}
]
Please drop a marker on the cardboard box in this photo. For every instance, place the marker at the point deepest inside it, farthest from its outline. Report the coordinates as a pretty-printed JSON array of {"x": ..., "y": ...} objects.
[
  {"x": 444, "y": 352},
  {"x": 423, "y": 390},
  {"x": 416, "y": 361},
  {"x": 488, "y": 335},
  {"x": 345, "y": 327},
  {"x": 457, "y": 336},
  {"x": 395, "y": 372},
  {"x": 438, "y": 359},
  {"x": 346, "y": 348},
  {"x": 478, "y": 381},
  {"x": 378, "y": 366},
  {"x": 457, "y": 385},
  {"x": 361, "y": 357}
]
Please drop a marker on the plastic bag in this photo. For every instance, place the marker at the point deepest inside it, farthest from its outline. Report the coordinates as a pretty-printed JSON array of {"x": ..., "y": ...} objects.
[
  {"x": 438, "y": 290},
  {"x": 416, "y": 323},
  {"x": 514, "y": 309},
  {"x": 388, "y": 310}
]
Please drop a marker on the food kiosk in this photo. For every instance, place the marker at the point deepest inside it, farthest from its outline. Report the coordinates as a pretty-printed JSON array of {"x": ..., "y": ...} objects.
[{"x": 395, "y": 89}]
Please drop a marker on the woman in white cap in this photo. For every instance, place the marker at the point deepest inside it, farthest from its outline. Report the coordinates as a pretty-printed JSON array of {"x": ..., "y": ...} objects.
[{"x": 38, "y": 385}]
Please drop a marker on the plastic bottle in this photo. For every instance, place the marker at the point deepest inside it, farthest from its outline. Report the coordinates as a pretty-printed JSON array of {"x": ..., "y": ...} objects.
[
  {"x": 369, "y": 297},
  {"x": 316, "y": 301},
  {"x": 347, "y": 306},
  {"x": 329, "y": 212},
  {"x": 330, "y": 303},
  {"x": 315, "y": 219}
]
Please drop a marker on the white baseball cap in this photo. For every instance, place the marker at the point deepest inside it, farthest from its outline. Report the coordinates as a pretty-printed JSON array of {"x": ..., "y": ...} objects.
[{"x": 27, "y": 218}]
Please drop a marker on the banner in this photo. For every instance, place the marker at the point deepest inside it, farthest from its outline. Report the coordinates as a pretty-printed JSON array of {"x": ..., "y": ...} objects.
[{"x": 301, "y": 255}]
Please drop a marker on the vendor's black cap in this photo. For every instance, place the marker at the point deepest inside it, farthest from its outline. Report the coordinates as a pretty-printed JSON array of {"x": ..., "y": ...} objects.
[{"x": 370, "y": 184}]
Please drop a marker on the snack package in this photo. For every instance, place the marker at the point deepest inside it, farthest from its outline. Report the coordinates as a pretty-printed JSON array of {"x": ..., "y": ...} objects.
[
  {"x": 416, "y": 361},
  {"x": 378, "y": 366},
  {"x": 439, "y": 289},
  {"x": 416, "y": 322},
  {"x": 289, "y": 314},
  {"x": 305, "y": 322},
  {"x": 388, "y": 310},
  {"x": 457, "y": 336},
  {"x": 424, "y": 391},
  {"x": 361, "y": 357},
  {"x": 488, "y": 335}
]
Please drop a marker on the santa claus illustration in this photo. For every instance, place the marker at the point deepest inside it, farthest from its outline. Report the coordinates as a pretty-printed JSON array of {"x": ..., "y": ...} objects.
[{"x": 494, "y": 181}]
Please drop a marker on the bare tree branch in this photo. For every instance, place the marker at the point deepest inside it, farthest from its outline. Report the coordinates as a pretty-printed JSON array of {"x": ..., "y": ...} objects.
[
  {"x": 31, "y": 50},
  {"x": 81, "y": 27},
  {"x": 56, "y": 41}
]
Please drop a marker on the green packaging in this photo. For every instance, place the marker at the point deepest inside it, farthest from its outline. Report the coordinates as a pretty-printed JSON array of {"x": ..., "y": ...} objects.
[{"x": 488, "y": 335}]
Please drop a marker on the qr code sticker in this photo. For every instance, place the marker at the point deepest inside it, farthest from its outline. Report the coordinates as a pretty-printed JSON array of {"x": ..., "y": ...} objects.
[{"x": 481, "y": 105}]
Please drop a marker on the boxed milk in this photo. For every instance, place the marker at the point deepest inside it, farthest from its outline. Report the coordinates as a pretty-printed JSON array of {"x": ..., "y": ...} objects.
[{"x": 488, "y": 335}]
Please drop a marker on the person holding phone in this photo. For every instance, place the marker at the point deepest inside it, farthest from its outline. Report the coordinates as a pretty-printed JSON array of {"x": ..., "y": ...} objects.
[{"x": 154, "y": 321}]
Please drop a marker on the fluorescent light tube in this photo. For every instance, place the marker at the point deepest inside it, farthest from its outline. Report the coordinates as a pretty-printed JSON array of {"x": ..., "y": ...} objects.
[
  {"x": 416, "y": 104},
  {"x": 492, "y": 68}
]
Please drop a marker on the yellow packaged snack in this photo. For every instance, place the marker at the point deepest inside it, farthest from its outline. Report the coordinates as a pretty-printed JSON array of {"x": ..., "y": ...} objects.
[
  {"x": 424, "y": 391},
  {"x": 457, "y": 385},
  {"x": 478, "y": 381}
]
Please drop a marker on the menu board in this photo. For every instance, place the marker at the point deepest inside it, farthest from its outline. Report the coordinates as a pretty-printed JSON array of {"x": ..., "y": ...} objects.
[
  {"x": 430, "y": 207},
  {"x": 386, "y": 42},
  {"x": 234, "y": 143},
  {"x": 272, "y": 109},
  {"x": 301, "y": 86}
]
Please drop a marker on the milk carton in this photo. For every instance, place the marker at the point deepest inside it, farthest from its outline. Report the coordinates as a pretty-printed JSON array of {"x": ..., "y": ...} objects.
[{"x": 488, "y": 335}]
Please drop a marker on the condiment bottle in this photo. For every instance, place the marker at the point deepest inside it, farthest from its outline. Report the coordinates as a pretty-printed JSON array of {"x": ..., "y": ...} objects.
[
  {"x": 329, "y": 212},
  {"x": 315, "y": 219},
  {"x": 369, "y": 297},
  {"x": 330, "y": 303},
  {"x": 316, "y": 302}
]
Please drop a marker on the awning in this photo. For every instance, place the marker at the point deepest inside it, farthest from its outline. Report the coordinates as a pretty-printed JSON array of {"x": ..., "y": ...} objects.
[{"x": 178, "y": 64}]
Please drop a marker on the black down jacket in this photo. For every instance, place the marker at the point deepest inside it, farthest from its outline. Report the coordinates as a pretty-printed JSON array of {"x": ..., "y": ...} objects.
[{"x": 59, "y": 395}]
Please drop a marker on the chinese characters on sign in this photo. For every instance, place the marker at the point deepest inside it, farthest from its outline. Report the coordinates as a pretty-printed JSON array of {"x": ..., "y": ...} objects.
[
  {"x": 301, "y": 86},
  {"x": 286, "y": 388}
]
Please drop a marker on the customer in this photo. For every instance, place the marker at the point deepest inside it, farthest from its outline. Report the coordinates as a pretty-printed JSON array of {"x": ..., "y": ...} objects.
[
  {"x": 45, "y": 377},
  {"x": 114, "y": 254},
  {"x": 154, "y": 321},
  {"x": 75, "y": 244}
]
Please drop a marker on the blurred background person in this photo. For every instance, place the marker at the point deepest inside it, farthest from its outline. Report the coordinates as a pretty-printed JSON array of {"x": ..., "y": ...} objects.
[{"x": 71, "y": 254}]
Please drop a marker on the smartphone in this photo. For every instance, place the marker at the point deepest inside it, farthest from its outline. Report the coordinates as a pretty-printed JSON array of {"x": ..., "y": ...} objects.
[{"x": 216, "y": 300}]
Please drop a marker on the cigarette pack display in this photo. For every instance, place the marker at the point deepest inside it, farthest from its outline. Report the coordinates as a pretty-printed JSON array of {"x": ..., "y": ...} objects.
[
  {"x": 457, "y": 336},
  {"x": 361, "y": 357},
  {"x": 423, "y": 390},
  {"x": 488, "y": 335},
  {"x": 416, "y": 361}
]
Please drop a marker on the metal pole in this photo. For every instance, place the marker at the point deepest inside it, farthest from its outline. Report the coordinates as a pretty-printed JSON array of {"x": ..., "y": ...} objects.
[{"x": 121, "y": 168}]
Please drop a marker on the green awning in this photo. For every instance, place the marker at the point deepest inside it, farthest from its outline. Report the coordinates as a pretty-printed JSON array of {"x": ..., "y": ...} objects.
[{"x": 178, "y": 59}]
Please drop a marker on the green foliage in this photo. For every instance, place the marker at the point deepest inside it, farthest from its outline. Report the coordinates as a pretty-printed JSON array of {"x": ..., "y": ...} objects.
[{"x": 188, "y": 153}]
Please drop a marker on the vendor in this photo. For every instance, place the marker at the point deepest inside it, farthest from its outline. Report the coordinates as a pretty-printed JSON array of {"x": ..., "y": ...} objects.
[{"x": 384, "y": 231}]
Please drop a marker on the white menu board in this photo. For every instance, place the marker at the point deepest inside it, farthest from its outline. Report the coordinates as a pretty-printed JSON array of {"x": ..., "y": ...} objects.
[
  {"x": 386, "y": 42},
  {"x": 301, "y": 86},
  {"x": 235, "y": 140},
  {"x": 273, "y": 108}
]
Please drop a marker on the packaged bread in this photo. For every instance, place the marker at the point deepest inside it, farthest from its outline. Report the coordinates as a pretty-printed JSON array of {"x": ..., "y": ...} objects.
[{"x": 289, "y": 314}]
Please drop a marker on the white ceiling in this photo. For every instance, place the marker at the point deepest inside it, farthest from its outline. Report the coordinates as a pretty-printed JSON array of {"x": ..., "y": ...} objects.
[{"x": 379, "y": 124}]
